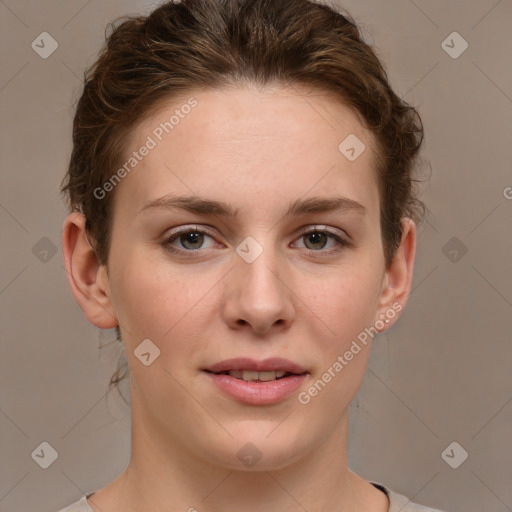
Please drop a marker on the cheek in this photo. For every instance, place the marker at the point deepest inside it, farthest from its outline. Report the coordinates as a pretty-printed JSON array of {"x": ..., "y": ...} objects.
[
  {"x": 346, "y": 304},
  {"x": 159, "y": 308},
  {"x": 139, "y": 302},
  {"x": 157, "y": 301},
  {"x": 345, "y": 310}
]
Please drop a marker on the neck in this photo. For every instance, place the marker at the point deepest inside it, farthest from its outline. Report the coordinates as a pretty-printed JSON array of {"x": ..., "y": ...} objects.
[{"x": 166, "y": 475}]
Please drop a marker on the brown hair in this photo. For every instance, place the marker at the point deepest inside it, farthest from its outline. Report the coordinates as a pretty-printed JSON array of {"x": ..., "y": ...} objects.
[{"x": 215, "y": 43}]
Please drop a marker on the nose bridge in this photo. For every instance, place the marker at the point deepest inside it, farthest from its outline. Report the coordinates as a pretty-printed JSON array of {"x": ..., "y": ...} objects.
[
  {"x": 260, "y": 297},
  {"x": 260, "y": 259}
]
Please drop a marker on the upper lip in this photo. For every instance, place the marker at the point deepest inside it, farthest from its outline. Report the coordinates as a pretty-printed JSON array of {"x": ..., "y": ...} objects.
[{"x": 265, "y": 365}]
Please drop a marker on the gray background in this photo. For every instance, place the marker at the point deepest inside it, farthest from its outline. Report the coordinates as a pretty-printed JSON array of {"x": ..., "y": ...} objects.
[{"x": 442, "y": 374}]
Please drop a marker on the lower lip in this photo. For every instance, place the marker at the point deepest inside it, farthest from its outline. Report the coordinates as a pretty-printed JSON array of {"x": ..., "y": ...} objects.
[{"x": 257, "y": 393}]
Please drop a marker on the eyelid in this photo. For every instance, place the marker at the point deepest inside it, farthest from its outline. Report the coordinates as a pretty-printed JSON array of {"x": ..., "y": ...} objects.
[
  {"x": 175, "y": 234},
  {"x": 343, "y": 240},
  {"x": 322, "y": 228},
  {"x": 341, "y": 237}
]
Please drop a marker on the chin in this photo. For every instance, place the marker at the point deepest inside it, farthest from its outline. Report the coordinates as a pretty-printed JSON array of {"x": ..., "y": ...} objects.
[{"x": 257, "y": 449}]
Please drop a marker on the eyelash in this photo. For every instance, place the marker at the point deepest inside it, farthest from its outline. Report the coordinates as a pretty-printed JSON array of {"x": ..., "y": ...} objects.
[{"x": 342, "y": 242}]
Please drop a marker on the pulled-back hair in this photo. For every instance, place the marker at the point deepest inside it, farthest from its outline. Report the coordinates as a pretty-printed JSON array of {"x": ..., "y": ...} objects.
[{"x": 198, "y": 44}]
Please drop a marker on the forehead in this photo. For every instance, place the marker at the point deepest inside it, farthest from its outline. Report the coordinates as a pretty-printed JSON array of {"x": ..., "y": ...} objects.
[{"x": 261, "y": 147}]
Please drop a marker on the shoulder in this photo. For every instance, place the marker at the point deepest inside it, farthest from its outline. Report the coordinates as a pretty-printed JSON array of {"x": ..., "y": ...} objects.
[
  {"x": 400, "y": 503},
  {"x": 79, "y": 506},
  {"x": 397, "y": 503}
]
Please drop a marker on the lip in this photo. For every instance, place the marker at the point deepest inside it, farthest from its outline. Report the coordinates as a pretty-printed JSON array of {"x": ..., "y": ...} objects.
[
  {"x": 266, "y": 365},
  {"x": 257, "y": 393}
]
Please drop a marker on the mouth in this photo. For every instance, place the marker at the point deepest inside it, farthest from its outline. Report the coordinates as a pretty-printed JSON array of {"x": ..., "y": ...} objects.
[
  {"x": 253, "y": 376},
  {"x": 257, "y": 382},
  {"x": 250, "y": 370}
]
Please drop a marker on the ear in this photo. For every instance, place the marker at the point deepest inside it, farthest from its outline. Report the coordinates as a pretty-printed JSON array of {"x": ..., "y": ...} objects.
[
  {"x": 87, "y": 278},
  {"x": 398, "y": 277}
]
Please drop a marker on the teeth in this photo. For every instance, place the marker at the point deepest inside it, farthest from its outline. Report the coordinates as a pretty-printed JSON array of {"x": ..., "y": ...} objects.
[
  {"x": 265, "y": 376},
  {"x": 251, "y": 376}
]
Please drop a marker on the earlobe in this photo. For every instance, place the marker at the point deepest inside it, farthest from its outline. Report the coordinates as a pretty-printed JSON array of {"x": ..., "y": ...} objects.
[
  {"x": 398, "y": 277},
  {"x": 87, "y": 278}
]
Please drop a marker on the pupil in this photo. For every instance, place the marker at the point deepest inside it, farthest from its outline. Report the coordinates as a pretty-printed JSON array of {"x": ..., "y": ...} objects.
[
  {"x": 192, "y": 237},
  {"x": 195, "y": 237},
  {"x": 314, "y": 238}
]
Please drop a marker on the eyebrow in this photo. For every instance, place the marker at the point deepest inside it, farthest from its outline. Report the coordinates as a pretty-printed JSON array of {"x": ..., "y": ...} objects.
[{"x": 202, "y": 206}]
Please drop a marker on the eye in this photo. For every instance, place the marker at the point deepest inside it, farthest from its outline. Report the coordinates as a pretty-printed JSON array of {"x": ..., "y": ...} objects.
[
  {"x": 317, "y": 238},
  {"x": 190, "y": 239}
]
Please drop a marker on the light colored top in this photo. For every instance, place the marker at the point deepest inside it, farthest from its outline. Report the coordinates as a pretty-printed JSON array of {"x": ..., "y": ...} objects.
[{"x": 397, "y": 503}]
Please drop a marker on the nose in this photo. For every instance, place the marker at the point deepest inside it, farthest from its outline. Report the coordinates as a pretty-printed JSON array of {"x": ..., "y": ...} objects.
[{"x": 258, "y": 296}]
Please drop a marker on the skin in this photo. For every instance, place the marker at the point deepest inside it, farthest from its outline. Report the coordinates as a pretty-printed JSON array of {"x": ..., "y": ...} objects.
[{"x": 258, "y": 150}]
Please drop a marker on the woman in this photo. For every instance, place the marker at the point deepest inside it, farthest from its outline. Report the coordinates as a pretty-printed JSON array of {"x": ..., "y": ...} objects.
[{"x": 243, "y": 214}]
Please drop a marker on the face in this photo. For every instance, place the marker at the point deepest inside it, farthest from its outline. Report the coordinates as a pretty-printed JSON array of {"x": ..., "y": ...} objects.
[{"x": 205, "y": 287}]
